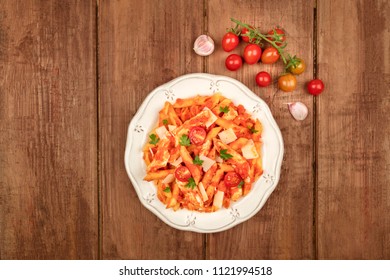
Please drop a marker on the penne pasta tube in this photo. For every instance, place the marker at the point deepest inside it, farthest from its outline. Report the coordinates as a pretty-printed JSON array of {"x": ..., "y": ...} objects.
[
  {"x": 158, "y": 175},
  {"x": 192, "y": 173}
]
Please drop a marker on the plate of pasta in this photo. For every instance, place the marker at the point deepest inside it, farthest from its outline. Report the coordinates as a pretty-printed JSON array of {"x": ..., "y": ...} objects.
[{"x": 203, "y": 153}]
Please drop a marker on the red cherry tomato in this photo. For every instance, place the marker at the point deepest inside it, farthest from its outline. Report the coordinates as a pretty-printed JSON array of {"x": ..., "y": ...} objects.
[
  {"x": 252, "y": 53},
  {"x": 230, "y": 41},
  {"x": 182, "y": 174},
  {"x": 280, "y": 32},
  {"x": 232, "y": 179},
  {"x": 197, "y": 135},
  {"x": 245, "y": 31},
  {"x": 233, "y": 62},
  {"x": 263, "y": 79},
  {"x": 270, "y": 55},
  {"x": 315, "y": 87}
]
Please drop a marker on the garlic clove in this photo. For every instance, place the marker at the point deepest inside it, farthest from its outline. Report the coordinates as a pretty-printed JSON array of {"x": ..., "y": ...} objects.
[
  {"x": 298, "y": 110},
  {"x": 204, "y": 45}
]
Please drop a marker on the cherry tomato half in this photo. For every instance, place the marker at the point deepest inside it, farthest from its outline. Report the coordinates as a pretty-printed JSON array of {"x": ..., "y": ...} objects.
[
  {"x": 270, "y": 55},
  {"x": 299, "y": 68},
  {"x": 230, "y": 41},
  {"x": 245, "y": 31},
  {"x": 315, "y": 87},
  {"x": 182, "y": 174},
  {"x": 232, "y": 179},
  {"x": 287, "y": 82},
  {"x": 263, "y": 79},
  {"x": 197, "y": 135},
  {"x": 279, "y": 32},
  {"x": 252, "y": 53},
  {"x": 233, "y": 62}
]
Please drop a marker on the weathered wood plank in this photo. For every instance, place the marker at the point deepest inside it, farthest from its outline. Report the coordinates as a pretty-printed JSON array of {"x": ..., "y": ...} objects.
[
  {"x": 48, "y": 128},
  {"x": 353, "y": 130},
  {"x": 142, "y": 45},
  {"x": 283, "y": 229}
]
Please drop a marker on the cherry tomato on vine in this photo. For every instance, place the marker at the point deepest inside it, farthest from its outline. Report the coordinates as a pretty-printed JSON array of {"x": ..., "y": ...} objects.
[
  {"x": 287, "y": 82},
  {"x": 252, "y": 53},
  {"x": 315, "y": 87},
  {"x": 233, "y": 62},
  {"x": 182, "y": 173},
  {"x": 197, "y": 135},
  {"x": 280, "y": 32},
  {"x": 230, "y": 41},
  {"x": 299, "y": 68},
  {"x": 232, "y": 179},
  {"x": 245, "y": 31},
  {"x": 270, "y": 55},
  {"x": 263, "y": 79}
]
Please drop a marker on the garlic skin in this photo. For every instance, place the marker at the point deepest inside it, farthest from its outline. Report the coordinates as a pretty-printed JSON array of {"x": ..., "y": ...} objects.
[
  {"x": 204, "y": 45},
  {"x": 298, "y": 110}
]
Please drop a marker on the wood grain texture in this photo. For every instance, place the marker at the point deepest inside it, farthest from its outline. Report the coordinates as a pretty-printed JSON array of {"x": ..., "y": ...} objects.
[
  {"x": 283, "y": 229},
  {"x": 48, "y": 145},
  {"x": 143, "y": 44},
  {"x": 353, "y": 130},
  {"x": 56, "y": 132}
]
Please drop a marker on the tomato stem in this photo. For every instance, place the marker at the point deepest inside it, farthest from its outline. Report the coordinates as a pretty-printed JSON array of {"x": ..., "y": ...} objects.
[{"x": 258, "y": 36}]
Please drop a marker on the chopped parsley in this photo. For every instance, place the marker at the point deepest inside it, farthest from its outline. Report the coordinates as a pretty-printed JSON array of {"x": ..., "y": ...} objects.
[
  {"x": 184, "y": 141},
  {"x": 153, "y": 139},
  {"x": 167, "y": 190},
  {"x": 224, "y": 155},
  {"x": 252, "y": 129},
  {"x": 240, "y": 184},
  {"x": 191, "y": 183},
  {"x": 224, "y": 109},
  {"x": 197, "y": 161},
  {"x": 165, "y": 122}
]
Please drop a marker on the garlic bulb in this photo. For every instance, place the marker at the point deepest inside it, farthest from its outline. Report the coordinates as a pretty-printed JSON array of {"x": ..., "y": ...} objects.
[
  {"x": 298, "y": 110},
  {"x": 204, "y": 45}
]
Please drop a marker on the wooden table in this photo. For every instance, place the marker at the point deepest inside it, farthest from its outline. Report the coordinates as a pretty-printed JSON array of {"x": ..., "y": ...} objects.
[{"x": 74, "y": 72}]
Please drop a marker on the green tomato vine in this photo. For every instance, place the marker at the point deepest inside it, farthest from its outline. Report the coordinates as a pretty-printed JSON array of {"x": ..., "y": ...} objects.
[{"x": 255, "y": 37}]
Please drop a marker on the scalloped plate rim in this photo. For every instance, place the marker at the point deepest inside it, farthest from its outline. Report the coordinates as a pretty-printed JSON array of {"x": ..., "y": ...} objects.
[{"x": 246, "y": 90}]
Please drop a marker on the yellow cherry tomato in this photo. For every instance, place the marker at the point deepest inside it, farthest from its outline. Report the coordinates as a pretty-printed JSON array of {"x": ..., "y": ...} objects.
[
  {"x": 287, "y": 82},
  {"x": 299, "y": 68}
]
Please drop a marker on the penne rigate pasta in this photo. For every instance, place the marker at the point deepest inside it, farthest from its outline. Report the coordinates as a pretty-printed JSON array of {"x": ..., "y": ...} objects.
[{"x": 204, "y": 153}]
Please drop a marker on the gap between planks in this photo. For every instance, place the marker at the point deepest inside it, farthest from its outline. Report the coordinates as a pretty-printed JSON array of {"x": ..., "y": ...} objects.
[
  {"x": 205, "y": 66},
  {"x": 315, "y": 135},
  {"x": 98, "y": 110}
]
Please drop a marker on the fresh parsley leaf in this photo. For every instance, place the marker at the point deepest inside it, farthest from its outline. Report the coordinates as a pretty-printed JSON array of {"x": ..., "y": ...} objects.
[
  {"x": 240, "y": 184},
  {"x": 224, "y": 155},
  {"x": 165, "y": 122},
  {"x": 197, "y": 161},
  {"x": 191, "y": 183},
  {"x": 224, "y": 109},
  {"x": 252, "y": 129},
  {"x": 167, "y": 190},
  {"x": 184, "y": 141},
  {"x": 153, "y": 139}
]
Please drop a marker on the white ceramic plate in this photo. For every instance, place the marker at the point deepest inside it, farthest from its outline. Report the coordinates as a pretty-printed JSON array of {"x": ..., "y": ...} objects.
[{"x": 146, "y": 118}]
